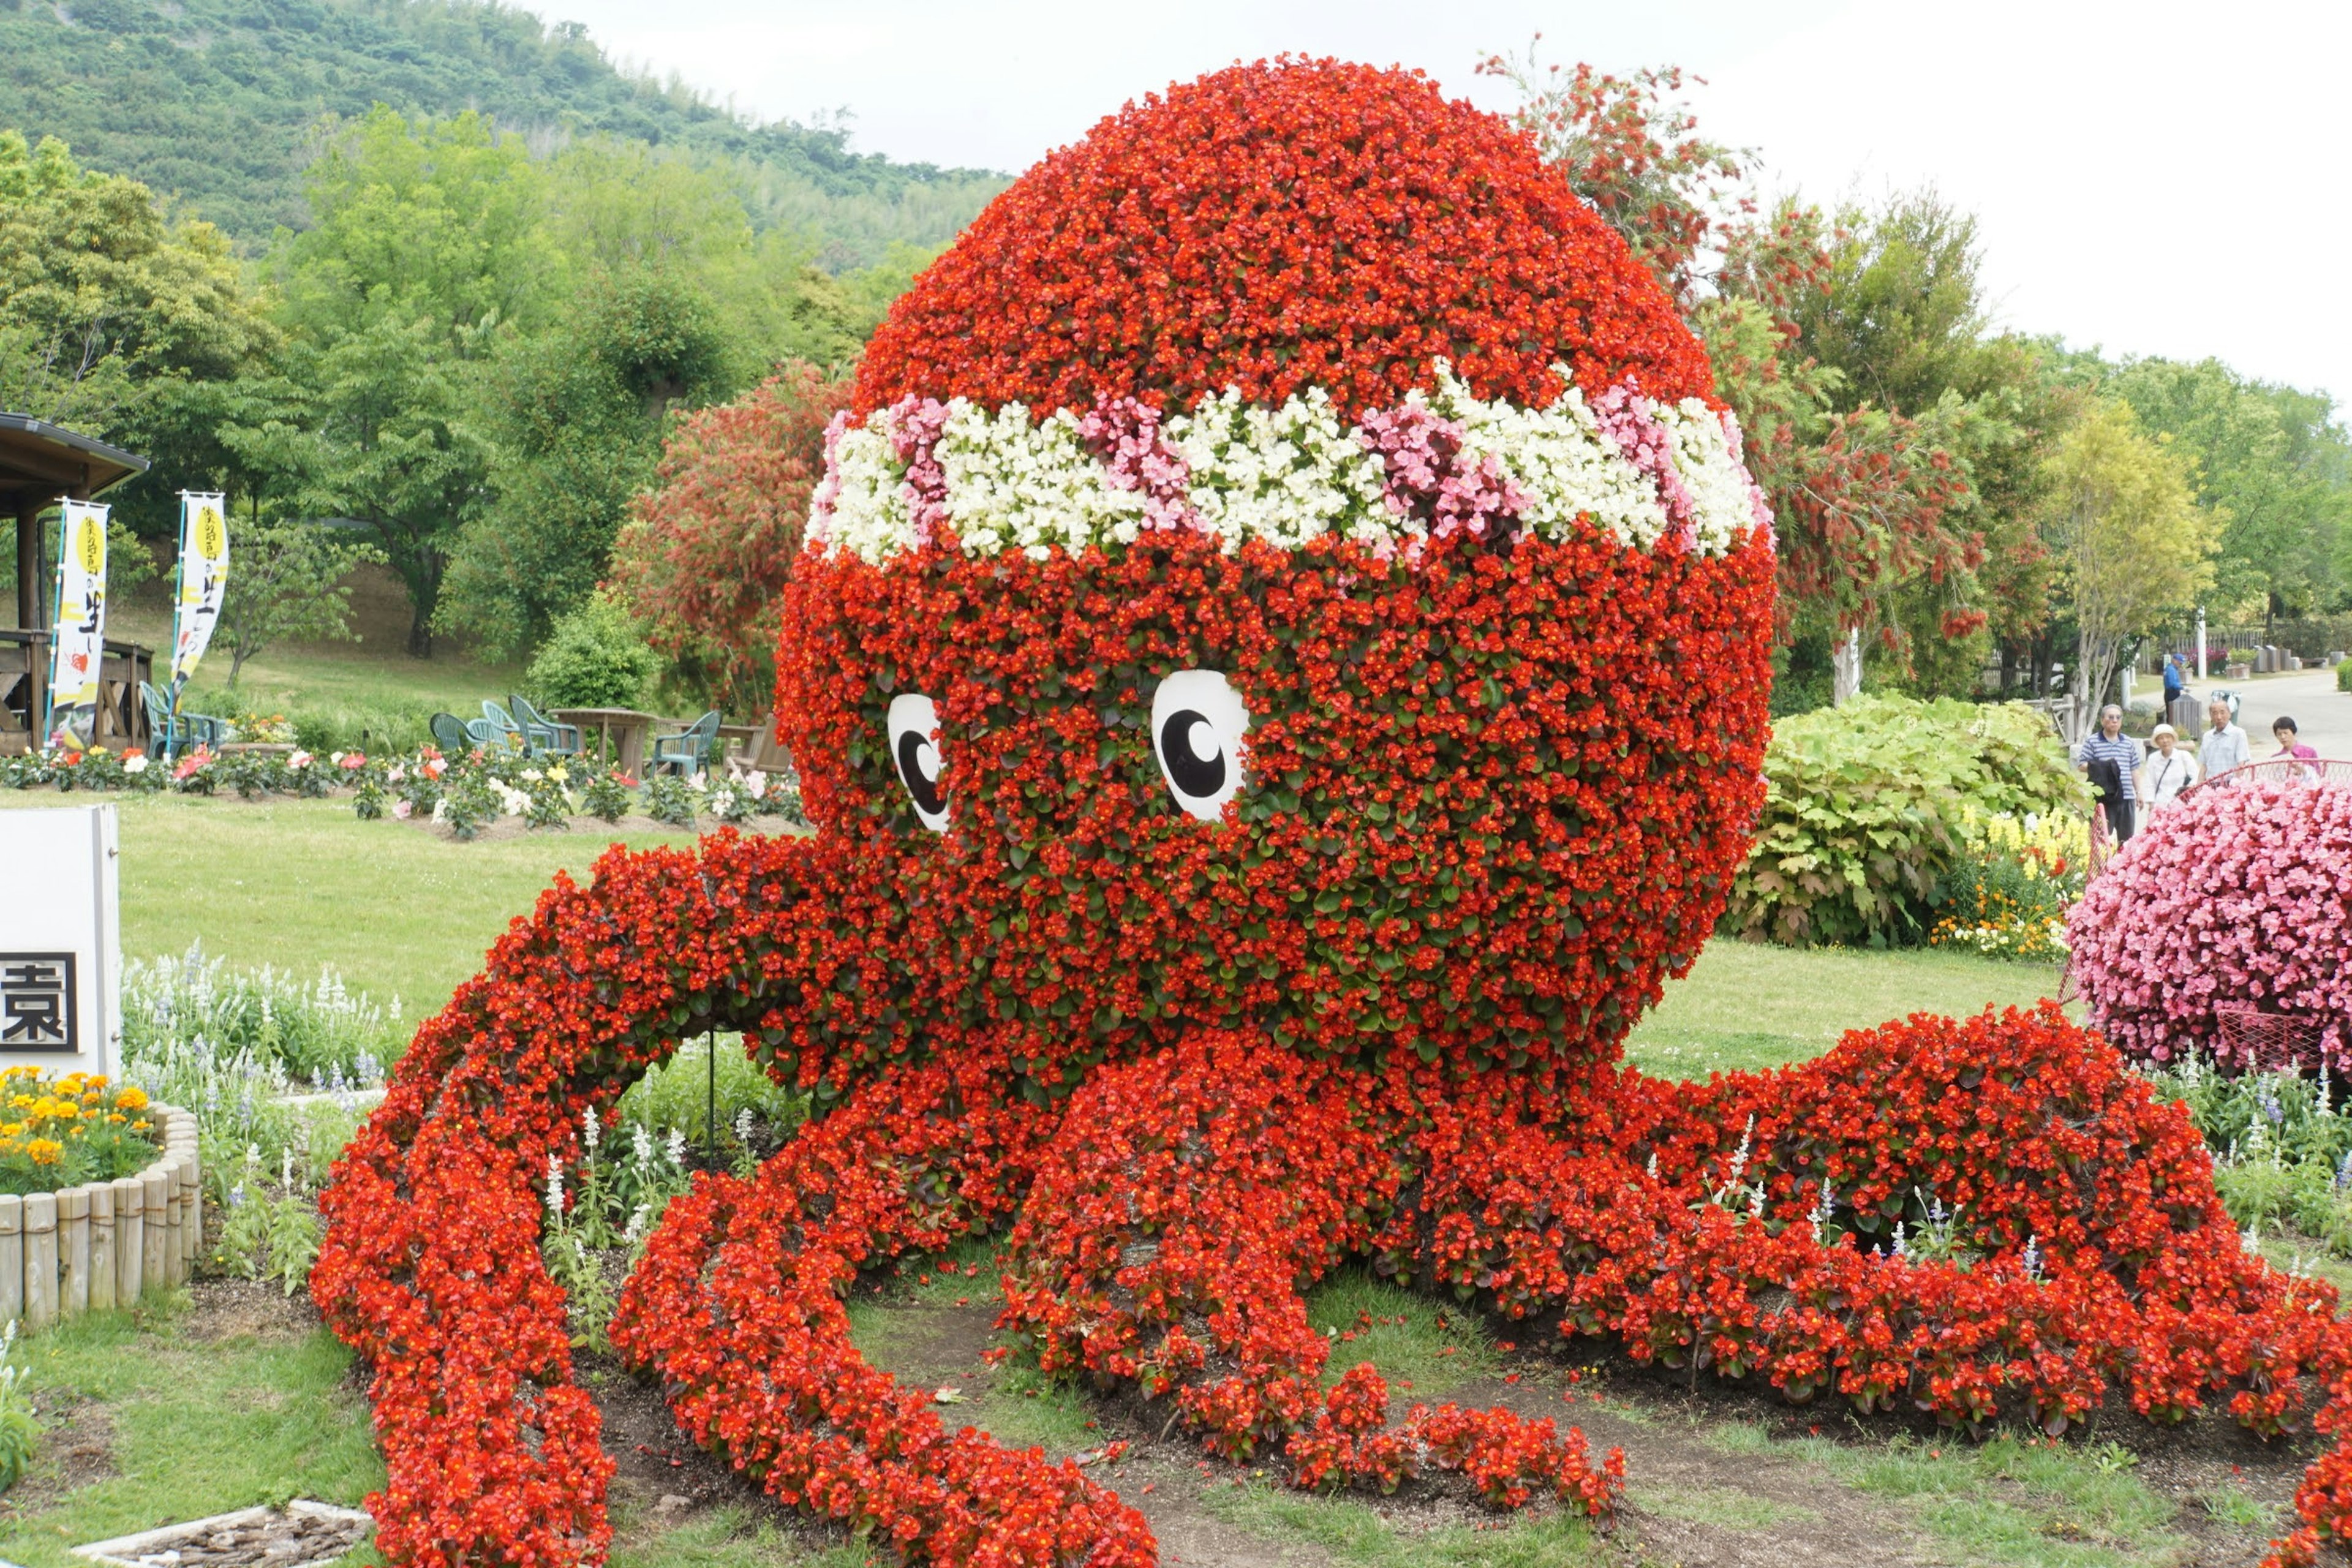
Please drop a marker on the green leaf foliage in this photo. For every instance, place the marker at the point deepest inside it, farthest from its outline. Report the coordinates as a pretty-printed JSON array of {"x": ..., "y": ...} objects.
[
  {"x": 1862, "y": 813},
  {"x": 595, "y": 657}
]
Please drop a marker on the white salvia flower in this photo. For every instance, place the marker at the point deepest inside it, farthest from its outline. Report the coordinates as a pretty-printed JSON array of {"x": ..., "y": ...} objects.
[
  {"x": 1653, "y": 1164},
  {"x": 1756, "y": 1203},
  {"x": 1739, "y": 1155},
  {"x": 641, "y": 1144},
  {"x": 2252, "y": 1240},
  {"x": 1902, "y": 1243},
  {"x": 678, "y": 1148},
  {"x": 588, "y": 1128},
  {"x": 637, "y": 1226},
  {"x": 743, "y": 1129},
  {"x": 286, "y": 1169},
  {"x": 2032, "y": 1258},
  {"x": 555, "y": 1186},
  {"x": 1824, "y": 1210}
]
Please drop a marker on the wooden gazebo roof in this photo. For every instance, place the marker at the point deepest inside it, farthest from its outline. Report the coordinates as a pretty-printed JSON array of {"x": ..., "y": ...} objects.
[{"x": 40, "y": 461}]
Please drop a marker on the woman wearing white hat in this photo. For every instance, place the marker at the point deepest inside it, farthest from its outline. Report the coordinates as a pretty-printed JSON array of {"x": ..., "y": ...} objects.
[{"x": 2167, "y": 770}]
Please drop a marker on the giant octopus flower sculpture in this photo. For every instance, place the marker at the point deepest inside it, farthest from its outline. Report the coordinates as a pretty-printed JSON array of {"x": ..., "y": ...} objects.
[{"x": 1279, "y": 673}]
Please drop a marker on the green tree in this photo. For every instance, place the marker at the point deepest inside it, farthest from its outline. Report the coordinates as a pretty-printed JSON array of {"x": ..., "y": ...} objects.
[
  {"x": 369, "y": 428},
  {"x": 577, "y": 416},
  {"x": 2133, "y": 547},
  {"x": 2270, "y": 461},
  {"x": 112, "y": 314},
  {"x": 285, "y": 584},
  {"x": 430, "y": 246}
]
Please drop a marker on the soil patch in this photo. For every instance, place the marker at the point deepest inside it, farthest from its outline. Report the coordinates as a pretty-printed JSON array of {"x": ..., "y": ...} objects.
[
  {"x": 1717, "y": 1477},
  {"x": 247, "y": 1309},
  {"x": 77, "y": 1449}
]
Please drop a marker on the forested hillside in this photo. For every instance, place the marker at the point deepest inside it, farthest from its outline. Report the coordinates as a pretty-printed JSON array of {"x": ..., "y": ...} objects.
[{"x": 216, "y": 104}]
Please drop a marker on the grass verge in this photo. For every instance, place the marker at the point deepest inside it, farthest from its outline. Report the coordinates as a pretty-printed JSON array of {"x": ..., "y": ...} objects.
[{"x": 186, "y": 1426}]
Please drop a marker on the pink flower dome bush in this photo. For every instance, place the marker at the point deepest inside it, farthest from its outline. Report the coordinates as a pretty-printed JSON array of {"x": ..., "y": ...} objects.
[{"x": 2234, "y": 894}]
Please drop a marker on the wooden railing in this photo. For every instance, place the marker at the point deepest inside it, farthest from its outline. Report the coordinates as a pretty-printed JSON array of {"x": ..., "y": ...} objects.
[{"x": 24, "y": 688}]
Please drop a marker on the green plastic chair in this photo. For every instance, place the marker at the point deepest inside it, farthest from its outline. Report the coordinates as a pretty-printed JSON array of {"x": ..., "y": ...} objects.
[
  {"x": 176, "y": 731},
  {"x": 449, "y": 733},
  {"x": 546, "y": 735},
  {"x": 491, "y": 737},
  {"x": 689, "y": 749},
  {"x": 519, "y": 736}
]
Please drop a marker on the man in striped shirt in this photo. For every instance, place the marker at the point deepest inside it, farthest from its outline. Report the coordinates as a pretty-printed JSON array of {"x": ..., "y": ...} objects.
[{"x": 2111, "y": 748}]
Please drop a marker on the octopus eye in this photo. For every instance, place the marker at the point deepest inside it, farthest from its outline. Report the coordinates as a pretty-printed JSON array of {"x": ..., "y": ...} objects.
[
  {"x": 1197, "y": 725},
  {"x": 914, "y": 727}
]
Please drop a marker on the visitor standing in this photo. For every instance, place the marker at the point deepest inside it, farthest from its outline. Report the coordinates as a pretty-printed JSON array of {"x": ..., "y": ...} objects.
[
  {"x": 2169, "y": 770},
  {"x": 2109, "y": 758},
  {"x": 2290, "y": 740},
  {"x": 2224, "y": 746}
]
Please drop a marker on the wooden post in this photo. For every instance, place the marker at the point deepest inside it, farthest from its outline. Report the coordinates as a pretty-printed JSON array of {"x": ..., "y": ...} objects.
[
  {"x": 12, "y": 1258},
  {"x": 73, "y": 1246},
  {"x": 129, "y": 1240},
  {"x": 40, "y": 1259},
  {"x": 158, "y": 1238},
  {"x": 102, "y": 1266}
]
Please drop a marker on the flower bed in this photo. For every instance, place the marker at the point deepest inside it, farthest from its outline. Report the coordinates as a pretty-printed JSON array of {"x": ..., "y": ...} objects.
[
  {"x": 75, "y": 1130},
  {"x": 101, "y": 1244},
  {"x": 465, "y": 792},
  {"x": 2237, "y": 893}
]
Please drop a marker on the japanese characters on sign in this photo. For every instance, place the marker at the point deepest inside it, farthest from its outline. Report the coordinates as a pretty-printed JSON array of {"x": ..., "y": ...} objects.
[{"x": 37, "y": 1001}]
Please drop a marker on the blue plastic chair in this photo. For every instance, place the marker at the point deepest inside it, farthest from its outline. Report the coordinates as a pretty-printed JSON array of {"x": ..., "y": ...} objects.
[
  {"x": 690, "y": 748},
  {"x": 490, "y": 737},
  {"x": 519, "y": 736},
  {"x": 546, "y": 735},
  {"x": 449, "y": 733},
  {"x": 175, "y": 732}
]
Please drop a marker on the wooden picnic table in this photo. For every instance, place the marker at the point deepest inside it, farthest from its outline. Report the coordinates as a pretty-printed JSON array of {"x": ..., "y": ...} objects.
[{"x": 620, "y": 734}]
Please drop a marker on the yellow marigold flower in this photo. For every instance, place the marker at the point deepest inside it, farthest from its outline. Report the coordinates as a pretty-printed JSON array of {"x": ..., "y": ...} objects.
[
  {"x": 13, "y": 1128},
  {"x": 117, "y": 1117},
  {"x": 132, "y": 1098},
  {"x": 141, "y": 1126},
  {"x": 45, "y": 1151},
  {"x": 21, "y": 1102}
]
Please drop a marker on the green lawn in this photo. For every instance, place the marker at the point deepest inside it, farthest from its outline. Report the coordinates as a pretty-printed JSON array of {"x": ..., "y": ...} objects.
[
  {"x": 403, "y": 911},
  {"x": 1744, "y": 1004},
  {"x": 173, "y": 1418},
  {"x": 398, "y": 908}
]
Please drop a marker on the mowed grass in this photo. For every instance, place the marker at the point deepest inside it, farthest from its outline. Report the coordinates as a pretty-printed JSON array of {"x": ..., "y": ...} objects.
[
  {"x": 190, "y": 1427},
  {"x": 398, "y": 909},
  {"x": 1748, "y": 1005}
]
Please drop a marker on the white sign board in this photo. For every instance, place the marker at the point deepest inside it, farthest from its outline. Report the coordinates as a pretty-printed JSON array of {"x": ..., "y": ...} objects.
[{"x": 60, "y": 958}]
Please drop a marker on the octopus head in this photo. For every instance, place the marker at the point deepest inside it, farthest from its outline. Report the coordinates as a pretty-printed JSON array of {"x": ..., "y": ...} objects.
[{"x": 1339, "y": 612}]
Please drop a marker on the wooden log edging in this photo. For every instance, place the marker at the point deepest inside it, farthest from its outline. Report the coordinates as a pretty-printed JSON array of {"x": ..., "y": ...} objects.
[{"x": 104, "y": 1245}]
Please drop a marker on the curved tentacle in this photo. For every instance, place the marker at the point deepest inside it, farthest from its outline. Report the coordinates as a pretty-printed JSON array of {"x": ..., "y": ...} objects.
[
  {"x": 737, "y": 1305},
  {"x": 1187, "y": 1198},
  {"x": 430, "y": 1265},
  {"x": 1745, "y": 1227}
]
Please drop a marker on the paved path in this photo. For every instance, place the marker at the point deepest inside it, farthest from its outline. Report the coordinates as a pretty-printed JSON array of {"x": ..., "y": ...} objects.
[{"x": 2323, "y": 713}]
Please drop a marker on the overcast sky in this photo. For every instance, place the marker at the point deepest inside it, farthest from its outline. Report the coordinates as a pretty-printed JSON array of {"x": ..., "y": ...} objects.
[{"x": 2152, "y": 178}]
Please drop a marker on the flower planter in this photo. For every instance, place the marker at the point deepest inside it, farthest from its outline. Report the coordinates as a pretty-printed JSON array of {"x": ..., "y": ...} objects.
[{"x": 104, "y": 1244}]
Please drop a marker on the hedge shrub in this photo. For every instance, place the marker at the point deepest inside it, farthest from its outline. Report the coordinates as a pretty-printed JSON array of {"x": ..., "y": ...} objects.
[{"x": 1863, "y": 812}]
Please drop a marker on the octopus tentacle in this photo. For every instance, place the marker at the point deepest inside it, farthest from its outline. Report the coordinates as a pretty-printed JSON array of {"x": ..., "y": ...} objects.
[
  {"x": 1175, "y": 1216},
  {"x": 2102, "y": 1253},
  {"x": 430, "y": 1265},
  {"x": 737, "y": 1306}
]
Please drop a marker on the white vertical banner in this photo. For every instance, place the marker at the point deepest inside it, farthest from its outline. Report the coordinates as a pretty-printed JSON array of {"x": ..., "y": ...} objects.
[
  {"x": 203, "y": 580},
  {"x": 79, "y": 639}
]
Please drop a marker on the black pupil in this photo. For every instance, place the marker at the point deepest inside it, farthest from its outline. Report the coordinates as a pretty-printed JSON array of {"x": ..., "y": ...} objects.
[
  {"x": 920, "y": 784},
  {"x": 1193, "y": 774}
]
